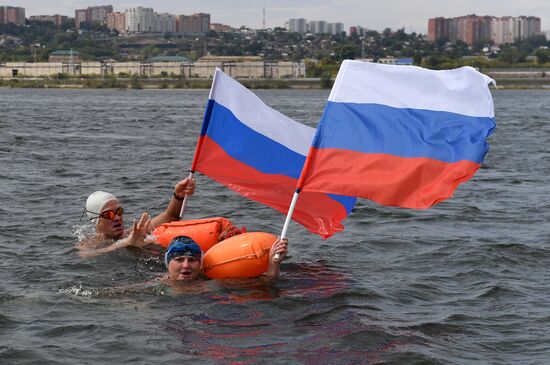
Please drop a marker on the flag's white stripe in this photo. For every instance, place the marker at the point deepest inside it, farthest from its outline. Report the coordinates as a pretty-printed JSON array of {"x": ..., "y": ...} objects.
[
  {"x": 251, "y": 111},
  {"x": 463, "y": 90}
]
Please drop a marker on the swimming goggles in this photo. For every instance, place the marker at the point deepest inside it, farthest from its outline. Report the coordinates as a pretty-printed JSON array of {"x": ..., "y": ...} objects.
[
  {"x": 108, "y": 214},
  {"x": 178, "y": 248}
]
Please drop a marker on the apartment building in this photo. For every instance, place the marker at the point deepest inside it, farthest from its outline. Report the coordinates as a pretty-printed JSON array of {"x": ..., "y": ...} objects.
[
  {"x": 140, "y": 19},
  {"x": 196, "y": 23},
  {"x": 473, "y": 28},
  {"x": 318, "y": 26},
  {"x": 297, "y": 25},
  {"x": 116, "y": 21},
  {"x": 92, "y": 14},
  {"x": 165, "y": 23},
  {"x": 335, "y": 28},
  {"x": 12, "y": 14}
]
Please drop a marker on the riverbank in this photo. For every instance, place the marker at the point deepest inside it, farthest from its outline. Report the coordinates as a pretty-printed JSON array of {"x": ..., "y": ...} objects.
[
  {"x": 504, "y": 79},
  {"x": 159, "y": 83}
]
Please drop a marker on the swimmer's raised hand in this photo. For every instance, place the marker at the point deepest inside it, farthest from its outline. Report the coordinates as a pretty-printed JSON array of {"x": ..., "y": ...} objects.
[
  {"x": 184, "y": 187},
  {"x": 136, "y": 238},
  {"x": 279, "y": 247}
]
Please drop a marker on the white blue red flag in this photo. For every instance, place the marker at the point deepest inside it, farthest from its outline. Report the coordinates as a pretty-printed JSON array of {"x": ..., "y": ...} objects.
[
  {"x": 400, "y": 135},
  {"x": 259, "y": 153}
]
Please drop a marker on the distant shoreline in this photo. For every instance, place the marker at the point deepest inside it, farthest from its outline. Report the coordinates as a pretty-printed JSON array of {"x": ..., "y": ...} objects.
[
  {"x": 157, "y": 83},
  {"x": 520, "y": 82}
]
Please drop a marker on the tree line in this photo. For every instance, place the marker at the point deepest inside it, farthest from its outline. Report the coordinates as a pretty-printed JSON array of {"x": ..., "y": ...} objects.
[{"x": 323, "y": 53}]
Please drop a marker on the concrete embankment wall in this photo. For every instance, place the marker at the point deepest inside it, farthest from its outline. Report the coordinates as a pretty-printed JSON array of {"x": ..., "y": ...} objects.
[
  {"x": 199, "y": 69},
  {"x": 523, "y": 78}
]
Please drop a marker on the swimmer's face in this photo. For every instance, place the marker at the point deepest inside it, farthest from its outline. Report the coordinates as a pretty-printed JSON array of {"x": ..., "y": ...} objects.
[
  {"x": 184, "y": 268},
  {"x": 113, "y": 229}
]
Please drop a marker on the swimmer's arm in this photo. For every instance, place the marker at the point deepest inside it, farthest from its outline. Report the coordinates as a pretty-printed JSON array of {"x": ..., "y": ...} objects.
[
  {"x": 136, "y": 238},
  {"x": 90, "y": 252},
  {"x": 172, "y": 212},
  {"x": 274, "y": 267}
]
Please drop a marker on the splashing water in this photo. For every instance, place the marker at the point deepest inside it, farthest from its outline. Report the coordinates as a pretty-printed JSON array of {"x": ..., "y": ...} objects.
[
  {"x": 83, "y": 231},
  {"x": 78, "y": 291}
]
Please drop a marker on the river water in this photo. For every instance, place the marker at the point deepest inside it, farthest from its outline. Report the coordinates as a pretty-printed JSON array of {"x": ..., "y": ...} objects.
[{"x": 465, "y": 282}]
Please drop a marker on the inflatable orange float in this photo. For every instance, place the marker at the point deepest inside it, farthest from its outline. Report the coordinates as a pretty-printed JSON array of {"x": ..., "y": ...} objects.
[
  {"x": 241, "y": 256},
  {"x": 206, "y": 232}
]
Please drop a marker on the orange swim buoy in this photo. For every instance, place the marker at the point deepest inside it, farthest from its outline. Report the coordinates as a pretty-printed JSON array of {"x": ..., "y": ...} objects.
[
  {"x": 242, "y": 256},
  {"x": 206, "y": 232}
]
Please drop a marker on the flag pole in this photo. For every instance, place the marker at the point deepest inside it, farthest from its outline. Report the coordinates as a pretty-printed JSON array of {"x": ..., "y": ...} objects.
[
  {"x": 288, "y": 218},
  {"x": 290, "y": 212},
  {"x": 205, "y": 122},
  {"x": 185, "y": 198},
  {"x": 299, "y": 185}
]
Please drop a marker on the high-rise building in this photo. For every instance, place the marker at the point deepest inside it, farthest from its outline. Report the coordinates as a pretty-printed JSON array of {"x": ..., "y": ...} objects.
[
  {"x": 438, "y": 28},
  {"x": 182, "y": 24},
  {"x": 12, "y": 14},
  {"x": 201, "y": 22},
  {"x": 56, "y": 19},
  {"x": 528, "y": 26},
  {"x": 318, "y": 27},
  {"x": 97, "y": 14},
  {"x": 196, "y": 23},
  {"x": 297, "y": 25},
  {"x": 139, "y": 19},
  {"x": 472, "y": 28},
  {"x": 335, "y": 28},
  {"x": 357, "y": 29},
  {"x": 79, "y": 17},
  {"x": 117, "y": 21},
  {"x": 165, "y": 23}
]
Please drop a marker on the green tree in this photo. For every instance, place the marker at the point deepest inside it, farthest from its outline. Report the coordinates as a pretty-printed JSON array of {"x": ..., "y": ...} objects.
[
  {"x": 509, "y": 55},
  {"x": 543, "y": 55}
]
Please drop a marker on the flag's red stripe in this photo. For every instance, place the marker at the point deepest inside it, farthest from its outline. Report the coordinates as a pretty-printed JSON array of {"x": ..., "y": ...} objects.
[
  {"x": 271, "y": 189},
  {"x": 387, "y": 179}
]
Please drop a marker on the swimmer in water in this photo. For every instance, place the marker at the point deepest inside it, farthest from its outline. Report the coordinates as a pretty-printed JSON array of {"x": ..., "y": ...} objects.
[
  {"x": 183, "y": 259},
  {"x": 105, "y": 211}
]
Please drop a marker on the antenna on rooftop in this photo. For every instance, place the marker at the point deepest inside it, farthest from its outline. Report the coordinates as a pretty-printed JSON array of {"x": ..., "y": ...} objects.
[{"x": 263, "y": 17}]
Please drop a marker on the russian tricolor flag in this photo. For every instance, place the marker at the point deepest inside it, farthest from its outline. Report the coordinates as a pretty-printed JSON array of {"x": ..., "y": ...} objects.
[
  {"x": 259, "y": 153},
  {"x": 400, "y": 135}
]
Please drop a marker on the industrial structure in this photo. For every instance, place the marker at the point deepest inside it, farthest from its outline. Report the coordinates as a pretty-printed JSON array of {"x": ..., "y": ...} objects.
[{"x": 237, "y": 67}]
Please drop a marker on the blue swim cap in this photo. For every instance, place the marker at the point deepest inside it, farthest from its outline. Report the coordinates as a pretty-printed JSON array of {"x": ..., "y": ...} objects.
[{"x": 182, "y": 246}]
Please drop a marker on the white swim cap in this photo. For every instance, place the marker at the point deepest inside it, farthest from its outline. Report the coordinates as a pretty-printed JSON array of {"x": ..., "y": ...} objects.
[{"x": 95, "y": 202}]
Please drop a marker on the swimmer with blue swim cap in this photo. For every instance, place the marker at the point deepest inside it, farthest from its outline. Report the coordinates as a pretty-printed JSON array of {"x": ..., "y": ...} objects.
[
  {"x": 183, "y": 258},
  {"x": 106, "y": 213}
]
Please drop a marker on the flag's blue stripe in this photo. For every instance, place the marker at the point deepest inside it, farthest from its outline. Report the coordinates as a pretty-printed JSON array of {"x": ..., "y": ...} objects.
[
  {"x": 347, "y": 201},
  {"x": 243, "y": 143},
  {"x": 373, "y": 128},
  {"x": 207, "y": 116}
]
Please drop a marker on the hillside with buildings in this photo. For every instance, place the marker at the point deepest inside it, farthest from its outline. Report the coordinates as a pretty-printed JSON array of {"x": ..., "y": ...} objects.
[{"x": 101, "y": 42}]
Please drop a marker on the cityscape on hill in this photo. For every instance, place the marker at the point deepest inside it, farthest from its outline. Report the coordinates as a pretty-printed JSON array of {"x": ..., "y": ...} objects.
[{"x": 98, "y": 40}]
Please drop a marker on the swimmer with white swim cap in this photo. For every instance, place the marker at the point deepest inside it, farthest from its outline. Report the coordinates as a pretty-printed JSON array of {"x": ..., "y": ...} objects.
[{"x": 104, "y": 210}]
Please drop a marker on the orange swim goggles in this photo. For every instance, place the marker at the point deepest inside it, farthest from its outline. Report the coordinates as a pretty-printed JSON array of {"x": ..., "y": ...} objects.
[{"x": 109, "y": 214}]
